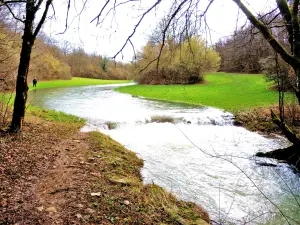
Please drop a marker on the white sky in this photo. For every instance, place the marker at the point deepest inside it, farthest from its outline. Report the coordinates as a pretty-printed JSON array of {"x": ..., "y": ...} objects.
[{"x": 109, "y": 38}]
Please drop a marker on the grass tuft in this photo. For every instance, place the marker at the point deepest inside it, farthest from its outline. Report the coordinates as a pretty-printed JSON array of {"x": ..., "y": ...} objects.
[
  {"x": 112, "y": 125},
  {"x": 162, "y": 119}
]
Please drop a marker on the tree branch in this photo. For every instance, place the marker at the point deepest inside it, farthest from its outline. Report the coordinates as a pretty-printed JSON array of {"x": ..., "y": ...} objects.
[
  {"x": 293, "y": 61},
  {"x": 285, "y": 11},
  {"x": 12, "y": 13},
  {"x": 38, "y": 5},
  {"x": 296, "y": 32},
  {"x": 166, "y": 28},
  {"x": 98, "y": 16},
  {"x": 136, "y": 26},
  {"x": 39, "y": 26},
  {"x": 67, "y": 17}
]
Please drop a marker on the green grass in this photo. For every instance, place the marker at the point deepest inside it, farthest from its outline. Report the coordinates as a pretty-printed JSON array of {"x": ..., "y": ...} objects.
[
  {"x": 52, "y": 115},
  {"x": 75, "y": 81},
  {"x": 232, "y": 92}
]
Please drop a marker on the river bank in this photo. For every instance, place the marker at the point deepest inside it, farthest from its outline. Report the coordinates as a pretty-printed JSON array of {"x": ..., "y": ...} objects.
[
  {"x": 247, "y": 96},
  {"x": 259, "y": 119},
  {"x": 53, "y": 174}
]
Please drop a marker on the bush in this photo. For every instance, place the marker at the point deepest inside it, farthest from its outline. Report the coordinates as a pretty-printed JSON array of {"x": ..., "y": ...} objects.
[{"x": 180, "y": 63}]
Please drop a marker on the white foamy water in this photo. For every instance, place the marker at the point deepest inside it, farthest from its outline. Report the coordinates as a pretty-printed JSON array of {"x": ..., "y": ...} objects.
[{"x": 201, "y": 158}]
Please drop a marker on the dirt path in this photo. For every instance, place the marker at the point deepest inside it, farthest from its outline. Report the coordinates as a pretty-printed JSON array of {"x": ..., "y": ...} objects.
[
  {"x": 58, "y": 192},
  {"x": 43, "y": 174}
]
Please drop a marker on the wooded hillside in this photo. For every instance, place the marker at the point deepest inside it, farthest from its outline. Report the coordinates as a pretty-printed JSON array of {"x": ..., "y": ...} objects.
[{"x": 50, "y": 62}]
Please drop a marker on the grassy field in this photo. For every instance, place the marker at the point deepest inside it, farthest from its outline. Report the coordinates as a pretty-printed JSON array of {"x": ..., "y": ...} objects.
[
  {"x": 75, "y": 81},
  {"x": 232, "y": 92}
]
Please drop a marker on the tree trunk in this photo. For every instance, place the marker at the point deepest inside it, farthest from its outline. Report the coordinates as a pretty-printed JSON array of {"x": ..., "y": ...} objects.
[
  {"x": 296, "y": 87},
  {"x": 289, "y": 134},
  {"x": 290, "y": 155},
  {"x": 22, "y": 87},
  {"x": 297, "y": 92}
]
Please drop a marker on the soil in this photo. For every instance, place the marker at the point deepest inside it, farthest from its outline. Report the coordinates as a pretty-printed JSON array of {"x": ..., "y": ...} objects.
[{"x": 34, "y": 164}]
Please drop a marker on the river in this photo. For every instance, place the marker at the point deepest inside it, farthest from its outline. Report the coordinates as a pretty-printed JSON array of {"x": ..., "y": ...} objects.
[{"x": 201, "y": 157}]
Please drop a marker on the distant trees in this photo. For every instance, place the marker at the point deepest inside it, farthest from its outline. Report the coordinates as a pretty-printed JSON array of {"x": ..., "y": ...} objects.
[
  {"x": 47, "y": 61},
  {"x": 95, "y": 66},
  {"x": 8, "y": 57},
  {"x": 243, "y": 51},
  {"x": 50, "y": 61},
  {"x": 179, "y": 62}
]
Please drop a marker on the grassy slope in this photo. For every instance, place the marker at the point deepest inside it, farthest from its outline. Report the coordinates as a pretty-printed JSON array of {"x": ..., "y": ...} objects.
[
  {"x": 75, "y": 81},
  {"x": 232, "y": 92}
]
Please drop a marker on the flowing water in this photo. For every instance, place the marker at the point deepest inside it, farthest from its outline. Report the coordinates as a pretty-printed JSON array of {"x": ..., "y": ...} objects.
[{"x": 201, "y": 157}]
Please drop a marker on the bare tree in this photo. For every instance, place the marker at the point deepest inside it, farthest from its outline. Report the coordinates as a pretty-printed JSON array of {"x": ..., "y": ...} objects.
[{"x": 30, "y": 31}]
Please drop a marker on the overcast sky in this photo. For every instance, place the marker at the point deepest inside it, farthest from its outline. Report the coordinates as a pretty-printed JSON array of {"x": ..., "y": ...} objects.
[{"x": 109, "y": 38}]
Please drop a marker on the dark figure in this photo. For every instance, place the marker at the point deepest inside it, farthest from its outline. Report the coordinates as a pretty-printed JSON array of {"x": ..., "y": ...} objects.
[{"x": 34, "y": 82}]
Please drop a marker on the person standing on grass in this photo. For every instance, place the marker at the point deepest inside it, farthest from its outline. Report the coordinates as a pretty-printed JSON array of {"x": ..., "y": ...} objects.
[{"x": 34, "y": 82}]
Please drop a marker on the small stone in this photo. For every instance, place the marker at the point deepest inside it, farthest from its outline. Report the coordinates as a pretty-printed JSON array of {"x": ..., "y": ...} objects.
[
  {"x": 98, "y": 194},
  {"x": 79, "y": 216},
  {"x": 51, "y": 210},
  {"x": 30, "y": 178},
  {"x": 90, "y": 159},
  {"x": 4, "y": 203},
  {"x": 80, "y": 206},
  {"x": 86, "y": 217},
  {"x": 41, "y": 208},
  {"x": 96, "y": 174},
  {"x": 91, "y": 211},
  {"x": 126, "y": 202},
  {"x": 77, "y": 141}
]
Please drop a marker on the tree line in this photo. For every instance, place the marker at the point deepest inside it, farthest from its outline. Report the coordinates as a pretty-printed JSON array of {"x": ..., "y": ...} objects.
[{"x": 49, "y": 60}]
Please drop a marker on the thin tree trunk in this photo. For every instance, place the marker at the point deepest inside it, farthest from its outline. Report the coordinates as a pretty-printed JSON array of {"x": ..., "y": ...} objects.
[
  {"x": 22, "y": 87},
  {"x": 297, "y": 86}
]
